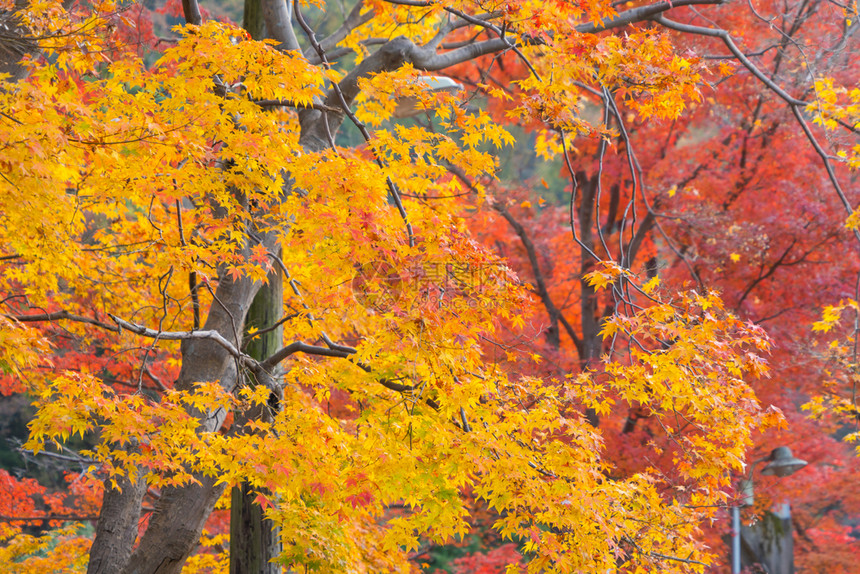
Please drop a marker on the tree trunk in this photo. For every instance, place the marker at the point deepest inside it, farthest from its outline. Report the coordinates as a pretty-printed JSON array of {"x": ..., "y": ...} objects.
[
  {"x": 116, "y": 530},
  {"x": 255, "y": 540},
  {"x": 252, "y": 19},
  {"x": 592, "y": 342},
  {"x": 174, "y": 529}
]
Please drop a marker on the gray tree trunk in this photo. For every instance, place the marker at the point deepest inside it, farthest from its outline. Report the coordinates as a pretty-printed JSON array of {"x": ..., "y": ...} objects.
[
  {"x": 174, "y": 529},
  {"x": 117, "y": 526}
]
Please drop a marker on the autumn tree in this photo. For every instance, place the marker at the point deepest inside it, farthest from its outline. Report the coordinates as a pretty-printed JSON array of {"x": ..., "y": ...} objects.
[
  {"x": 743, "y": 194},
  {"x": 146, "y": 204}
]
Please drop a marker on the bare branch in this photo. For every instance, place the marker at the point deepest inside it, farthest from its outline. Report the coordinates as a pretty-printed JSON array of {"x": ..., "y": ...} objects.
[
  {"x": 146, "y": 371},
  {"x": 730, "y": 44},
  {"x": 353, "y": 20},
  {"x": 415, "y": 3},
  {"x": 62, "y": 315},
  {"x": 300, "y": 347},
  {"x": 261, "y": 373},
  {"x": 180, "y": 336},
  {"x": 554, "y": 312},
  {"x": 827, "y": 165}
]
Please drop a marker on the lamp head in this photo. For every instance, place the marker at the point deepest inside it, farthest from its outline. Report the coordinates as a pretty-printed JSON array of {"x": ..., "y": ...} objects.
[{"x": 782, "y": 463}]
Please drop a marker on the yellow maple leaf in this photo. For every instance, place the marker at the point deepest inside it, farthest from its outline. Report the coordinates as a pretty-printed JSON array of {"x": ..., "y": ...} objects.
[{"x": 652, "y": 284}]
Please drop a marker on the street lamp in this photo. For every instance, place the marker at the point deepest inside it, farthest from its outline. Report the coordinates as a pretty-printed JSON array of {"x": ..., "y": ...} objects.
[{"x": 780, "y": 463}]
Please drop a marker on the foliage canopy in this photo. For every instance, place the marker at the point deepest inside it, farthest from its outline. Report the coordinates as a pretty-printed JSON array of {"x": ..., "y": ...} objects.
[{"x": 450, "y": 336}]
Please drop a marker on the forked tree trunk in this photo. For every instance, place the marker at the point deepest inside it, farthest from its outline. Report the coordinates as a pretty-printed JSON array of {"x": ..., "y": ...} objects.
[{"x": 175, "y": 526}]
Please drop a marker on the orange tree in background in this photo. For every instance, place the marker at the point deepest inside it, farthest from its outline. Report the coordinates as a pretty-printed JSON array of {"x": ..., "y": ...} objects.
[
  {"x": 736, "y": 195},
  {"x": 144, "y": 205}
]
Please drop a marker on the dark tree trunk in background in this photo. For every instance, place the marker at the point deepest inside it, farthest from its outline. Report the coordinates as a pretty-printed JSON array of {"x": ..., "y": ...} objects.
[
  {"x": 252, "y": 19},
  {"x": 255, "y": 540},
  {"x": 592, "y": 342}
]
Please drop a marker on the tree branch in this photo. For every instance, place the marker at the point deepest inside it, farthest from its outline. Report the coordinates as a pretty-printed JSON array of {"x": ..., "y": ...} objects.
[
  {"x": 543, "y": 293},
  {"x": 730, "y": 44},
  {"x": 179, "y": 336},
  {"x": 641, "y": 14},
  {"x": 291, "y": 104},
  {"x": 301, "y": 347},
  {"x": 353, "y": 20},
  {"x": 62, "y": 315}
]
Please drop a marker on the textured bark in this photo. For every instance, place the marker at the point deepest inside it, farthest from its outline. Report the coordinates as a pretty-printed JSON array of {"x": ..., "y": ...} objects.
[
  {"x": 181, "y": 512},
  {"x": 592, "y": 342},
  {"x": 252, "y": 19},
  {"x": 174, "y": 529},
  {"x": 116, "y": 530},
  {"x": 278, "y": 23},
  {"x": 255, "y": 540}
]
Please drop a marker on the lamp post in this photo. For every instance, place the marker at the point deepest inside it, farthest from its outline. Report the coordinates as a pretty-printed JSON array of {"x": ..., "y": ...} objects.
[{"x": 780, "y": 463}]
